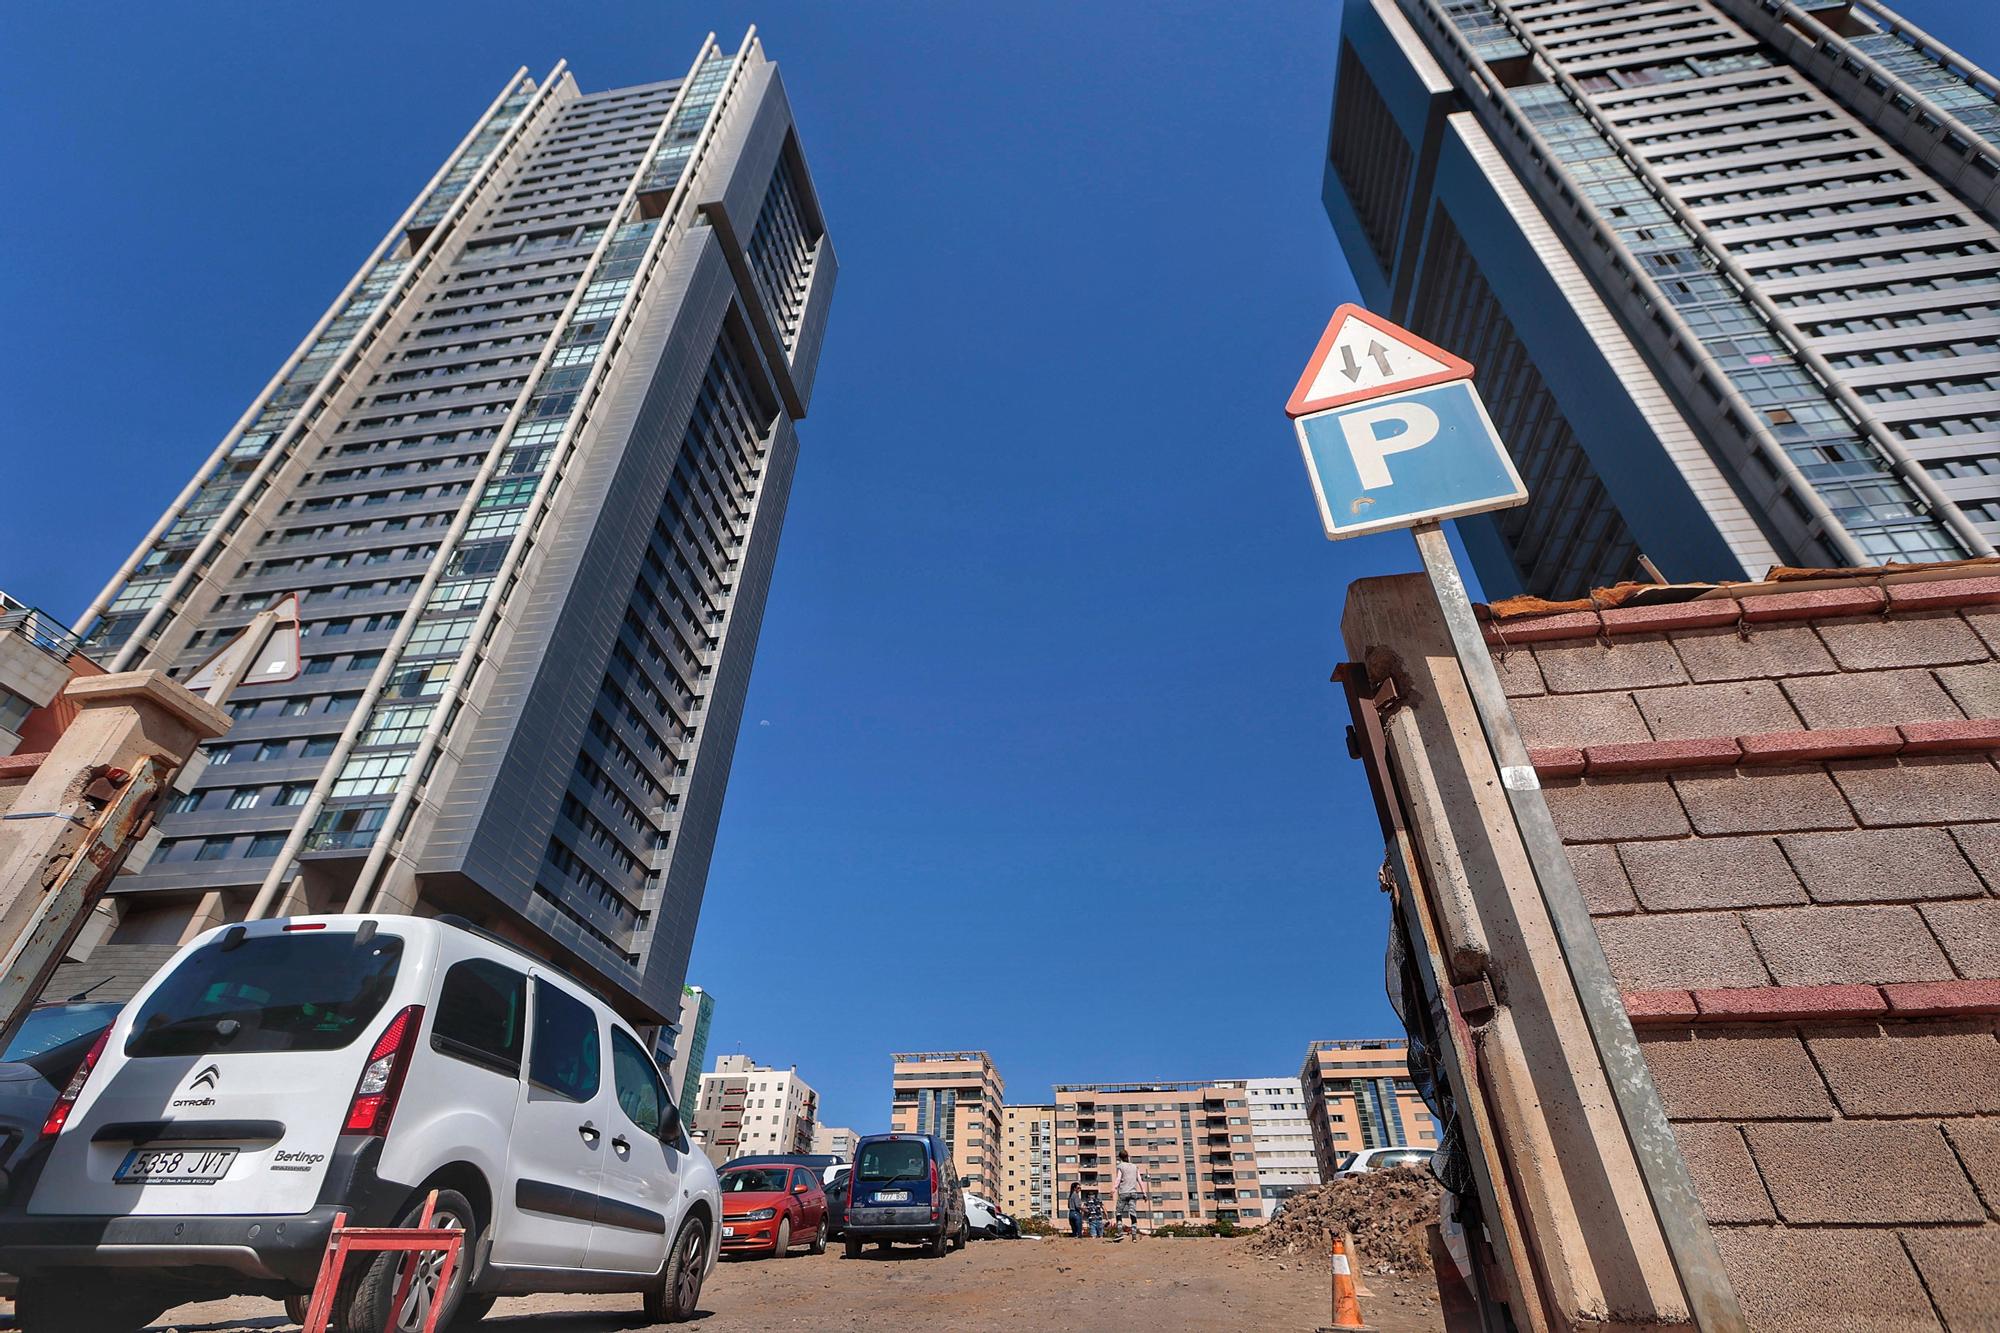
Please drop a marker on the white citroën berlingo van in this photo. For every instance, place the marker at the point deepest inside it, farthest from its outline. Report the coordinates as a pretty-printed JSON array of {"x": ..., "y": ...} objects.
[{"x": 277, "y": 1072}]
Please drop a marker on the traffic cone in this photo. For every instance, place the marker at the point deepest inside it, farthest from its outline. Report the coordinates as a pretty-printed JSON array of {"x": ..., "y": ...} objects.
[{"x": 1346, "y": 1308}]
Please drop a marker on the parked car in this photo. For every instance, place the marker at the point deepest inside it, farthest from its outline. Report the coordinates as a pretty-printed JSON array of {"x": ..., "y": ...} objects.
[
  {"x": 34, "y": 1069},
  {"x": 1382, "y": 1159},
  {"x": 984, "y": 1220},
  {"x": 830, "y": 1170},
  {"x": 767, "y": 1210},
  {"x": 904, "y": 1188},
  {"x": 838, "y": 1177},
  {"x": 278, "y": 1072}
]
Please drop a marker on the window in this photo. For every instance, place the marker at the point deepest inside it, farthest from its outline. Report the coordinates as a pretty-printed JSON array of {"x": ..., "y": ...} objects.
[
  {"x": 312, "y": 992},
  {"x": 272, "y": 750},
  {"x": 640, "y": 1095},
  {"x": 295, "y": 707},
  {"x": 266, "y": 844},
  {"x": 293, "y": 793},
  {"x": 318, "y": 665},
  {"x": 318, "y": 746},
  {"x": 243, "y": 798},
  {"x": 14, "y": 710},
  {"x": 213, "y": 849},
  {"x": 565, "y": 1055},
  {"x": 480, "y": 1010},
  {"x": 184, "y": 803}
]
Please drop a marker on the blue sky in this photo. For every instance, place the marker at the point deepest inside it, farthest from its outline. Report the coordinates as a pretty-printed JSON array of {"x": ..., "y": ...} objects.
[{"x": 1040, "y": 756}]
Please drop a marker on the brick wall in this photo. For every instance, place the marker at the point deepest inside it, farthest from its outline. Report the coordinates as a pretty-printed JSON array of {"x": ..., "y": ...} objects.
[{"x": 1784, "y": 810}]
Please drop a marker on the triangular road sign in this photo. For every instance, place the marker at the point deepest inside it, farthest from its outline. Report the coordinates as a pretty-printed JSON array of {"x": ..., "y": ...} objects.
[
  {"x": 1362, "y": 355},
  {"x": 265, "y": 653}
]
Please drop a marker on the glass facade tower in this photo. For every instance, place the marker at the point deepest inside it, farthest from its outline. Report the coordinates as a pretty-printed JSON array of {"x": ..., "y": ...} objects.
[
  {"x": 527, "y": 475},
  {"x": 1727, "y": 269}
]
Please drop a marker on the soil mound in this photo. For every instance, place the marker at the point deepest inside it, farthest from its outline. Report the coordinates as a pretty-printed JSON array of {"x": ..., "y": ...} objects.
[{"x": 1387, "y": 1211}]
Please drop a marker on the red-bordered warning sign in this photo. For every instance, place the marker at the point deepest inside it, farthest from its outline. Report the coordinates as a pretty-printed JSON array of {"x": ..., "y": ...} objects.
[{"x": 1362, "y": 356}]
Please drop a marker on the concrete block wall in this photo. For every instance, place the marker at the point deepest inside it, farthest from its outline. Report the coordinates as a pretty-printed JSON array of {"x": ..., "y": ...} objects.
[{"x": 1783, "y": 807}]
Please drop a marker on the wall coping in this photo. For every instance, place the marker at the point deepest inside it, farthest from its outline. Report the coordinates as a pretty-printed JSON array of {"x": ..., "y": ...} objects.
[{"x": 1758, "y": 603}]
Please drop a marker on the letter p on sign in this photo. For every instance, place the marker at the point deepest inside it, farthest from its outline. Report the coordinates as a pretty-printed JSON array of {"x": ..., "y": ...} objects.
[
  {"x": 1375, "y": 432},
  {"x": 1419, "y": 456}
]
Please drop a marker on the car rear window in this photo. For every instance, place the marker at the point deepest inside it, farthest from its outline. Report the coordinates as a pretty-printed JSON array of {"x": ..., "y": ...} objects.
[
  {"x": 304, "y": 992},
  {"x": 53, "y": 1025},
  {"x": 892, "y": 1160}
]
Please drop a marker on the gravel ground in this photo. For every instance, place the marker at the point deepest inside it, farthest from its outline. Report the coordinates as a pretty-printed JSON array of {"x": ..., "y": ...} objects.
[{"x": 1159, "y": 1285}]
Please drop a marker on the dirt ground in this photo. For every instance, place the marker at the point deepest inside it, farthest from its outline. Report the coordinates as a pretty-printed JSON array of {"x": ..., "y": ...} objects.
[{"x": 1052, "y": 1286}]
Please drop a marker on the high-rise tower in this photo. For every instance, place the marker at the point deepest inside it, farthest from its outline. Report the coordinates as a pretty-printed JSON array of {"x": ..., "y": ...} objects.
[
  {"x": 528, "y": 474},
  {"x": 1727, "y": 269}
]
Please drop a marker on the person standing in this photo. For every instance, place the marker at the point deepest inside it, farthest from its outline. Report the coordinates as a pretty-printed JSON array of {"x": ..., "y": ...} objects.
[
  {"x": 1131, "y": 1188},
  {"x": 1075, "y": 1210},
  {"x": 1093, "y": 1212}
]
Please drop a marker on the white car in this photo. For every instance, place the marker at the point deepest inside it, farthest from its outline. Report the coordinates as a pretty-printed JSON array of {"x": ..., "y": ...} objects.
[
  {"x": 1383, "y": 1159},
  {"x": 982, "y": 1219},
  {"x": 279, "y": 1072}
]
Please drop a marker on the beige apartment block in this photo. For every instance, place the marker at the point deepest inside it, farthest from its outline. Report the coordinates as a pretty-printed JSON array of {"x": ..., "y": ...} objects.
[
  {"x": 834, "y": 1141},
  {"x": 1027, "y": 1160},
  {"x": 1193, "y": 1142},
  {"x": 746, "y": 1108},
  {"x": 1358, "y": 1094},
  {"x": 958, "y": 1096}
]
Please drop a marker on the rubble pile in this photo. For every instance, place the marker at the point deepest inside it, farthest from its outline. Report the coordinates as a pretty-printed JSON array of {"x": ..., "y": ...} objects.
[{"x": 1388, "y": 1212}]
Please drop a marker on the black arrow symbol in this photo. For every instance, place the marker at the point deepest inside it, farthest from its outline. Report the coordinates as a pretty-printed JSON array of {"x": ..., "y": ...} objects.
[
  {"x": 1381, "y": 355},
  {"x": 1352, "y": 369}
]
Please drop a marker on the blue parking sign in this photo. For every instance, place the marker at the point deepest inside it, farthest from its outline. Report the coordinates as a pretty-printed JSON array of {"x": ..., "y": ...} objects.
[{"x": 1414, "y": 457}]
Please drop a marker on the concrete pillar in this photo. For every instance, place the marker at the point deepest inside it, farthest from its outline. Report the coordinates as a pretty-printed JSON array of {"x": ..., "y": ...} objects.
[{"x": 121, "y": 719}]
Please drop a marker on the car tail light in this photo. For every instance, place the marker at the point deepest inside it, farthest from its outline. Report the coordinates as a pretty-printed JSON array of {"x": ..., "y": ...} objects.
[
  {"x": 934, "y": 1189},
  {"x": 59, "y": 1113},
  {"x": 388, "y": 1061}
]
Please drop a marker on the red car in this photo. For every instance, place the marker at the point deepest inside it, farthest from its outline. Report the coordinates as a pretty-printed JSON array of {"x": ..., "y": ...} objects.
[{"x": 768, "y": 1209}]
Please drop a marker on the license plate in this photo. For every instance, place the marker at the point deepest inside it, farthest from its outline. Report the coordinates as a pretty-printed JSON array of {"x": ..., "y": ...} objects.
[
  {"x": 893, "y": 1196},
  {"x": 729, "y": 1231},
  {"x": 174, "y": 1166}
]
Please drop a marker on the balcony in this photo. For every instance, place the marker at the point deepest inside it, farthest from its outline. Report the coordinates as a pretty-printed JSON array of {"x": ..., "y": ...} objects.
[{"x": 39, "y": 630}]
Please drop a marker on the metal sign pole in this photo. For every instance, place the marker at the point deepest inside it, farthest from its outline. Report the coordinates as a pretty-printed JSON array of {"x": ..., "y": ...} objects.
[{"x": 1711, "y": 1298}]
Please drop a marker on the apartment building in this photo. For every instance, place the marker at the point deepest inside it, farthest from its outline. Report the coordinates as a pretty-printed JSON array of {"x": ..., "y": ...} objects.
[
  {"x": 1027, "y": 1160},
  {"x": 1282, "y": 1132},
  {"x": 1193, "y": 1142},
  {"x": 527, "y": 476},
  {"x": 38, "y": 659},
  {"x": 745, "y": 1108},
  {"x": 1729, "y": 272},
  {"x": 957, "y": 1095},
  {"x": 834, "y": 1141},
  {"x": 1358, "y": 1094}
]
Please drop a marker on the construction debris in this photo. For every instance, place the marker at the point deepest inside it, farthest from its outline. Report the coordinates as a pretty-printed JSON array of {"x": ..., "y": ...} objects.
[{"x": 1387, "y": 1211}]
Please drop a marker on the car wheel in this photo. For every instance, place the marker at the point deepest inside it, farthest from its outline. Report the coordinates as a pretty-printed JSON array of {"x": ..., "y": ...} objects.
[
  {"x": 964, "y": 1234},
  {"x": 679, "y": 1291},
  {"x": 63, "y": 1305},
  {"x": 852, "y": 1249},
  {"x": 362, "y": 1305},
  {"x": 782, "y": 1249},
  {"x": 941, "y": 1243},
  {"x": 819, "y": 1239}
]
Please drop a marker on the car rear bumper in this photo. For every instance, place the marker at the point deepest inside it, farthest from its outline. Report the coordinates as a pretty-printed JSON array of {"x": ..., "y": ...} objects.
[
  {"x": 913, "y": 1223},
  {"x": 205, "y": 1249}
]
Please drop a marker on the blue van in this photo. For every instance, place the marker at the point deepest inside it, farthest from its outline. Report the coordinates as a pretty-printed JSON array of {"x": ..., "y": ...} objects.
[{"x": 904, "y": 1188}]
